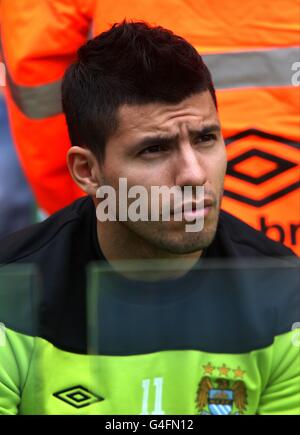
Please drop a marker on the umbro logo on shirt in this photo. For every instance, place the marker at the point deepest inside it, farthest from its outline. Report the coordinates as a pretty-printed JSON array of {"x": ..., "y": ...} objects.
[{"x": 78, "y": 396}]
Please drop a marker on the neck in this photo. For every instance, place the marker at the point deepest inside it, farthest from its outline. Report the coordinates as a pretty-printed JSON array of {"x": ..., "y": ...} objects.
[{"x": 118, "y": 242}]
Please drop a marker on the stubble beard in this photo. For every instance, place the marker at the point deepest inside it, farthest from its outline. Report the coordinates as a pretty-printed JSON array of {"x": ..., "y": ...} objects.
[{"x": 174, "y": 239}]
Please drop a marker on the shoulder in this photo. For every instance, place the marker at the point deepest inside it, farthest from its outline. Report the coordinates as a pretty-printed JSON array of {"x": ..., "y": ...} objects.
[
  {"x": 28, "y": 241},
  {"x": 245, "y": 240},
  {"x": 272, "y": 279}
]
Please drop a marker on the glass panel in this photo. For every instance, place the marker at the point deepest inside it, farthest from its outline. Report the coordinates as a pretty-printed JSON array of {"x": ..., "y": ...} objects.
[{"x": 19, "y": 298}]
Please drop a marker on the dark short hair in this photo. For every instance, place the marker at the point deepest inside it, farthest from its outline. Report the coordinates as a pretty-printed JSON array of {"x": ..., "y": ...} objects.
[{"x": 132, "y": 63}]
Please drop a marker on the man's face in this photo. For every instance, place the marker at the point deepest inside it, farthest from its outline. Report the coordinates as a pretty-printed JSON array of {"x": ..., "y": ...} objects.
[{"x": 164, "y": 145}]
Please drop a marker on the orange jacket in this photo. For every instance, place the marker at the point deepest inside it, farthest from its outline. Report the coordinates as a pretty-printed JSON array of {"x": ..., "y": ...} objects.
[{"x": 252, "y": 49}]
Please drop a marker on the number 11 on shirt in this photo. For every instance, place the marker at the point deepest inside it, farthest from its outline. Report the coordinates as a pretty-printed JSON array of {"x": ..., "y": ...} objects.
[{"x": 158, "y": 385}]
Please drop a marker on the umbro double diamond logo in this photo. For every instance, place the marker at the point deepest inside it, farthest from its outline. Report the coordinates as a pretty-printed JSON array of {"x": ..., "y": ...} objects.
[{"x": 78, "y": 396}]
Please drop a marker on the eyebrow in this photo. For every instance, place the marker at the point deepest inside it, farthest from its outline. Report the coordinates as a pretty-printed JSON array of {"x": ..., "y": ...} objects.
[{"x": 164, "y": 140}]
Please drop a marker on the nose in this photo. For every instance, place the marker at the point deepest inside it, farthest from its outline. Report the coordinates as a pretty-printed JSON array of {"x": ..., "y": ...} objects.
[{"x": 190, "y": 168}]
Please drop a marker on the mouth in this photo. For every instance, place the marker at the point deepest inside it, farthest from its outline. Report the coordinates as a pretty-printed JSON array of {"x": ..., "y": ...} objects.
[{"x": 193, "y": 210}]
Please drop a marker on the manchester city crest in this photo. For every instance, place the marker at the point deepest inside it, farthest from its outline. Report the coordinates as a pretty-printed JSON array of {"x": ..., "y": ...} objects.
[{"x": 221, "y": 396}]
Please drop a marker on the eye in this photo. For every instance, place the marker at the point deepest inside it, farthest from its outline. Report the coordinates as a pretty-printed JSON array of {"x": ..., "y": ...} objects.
[
  {"x": 154, "y": 149},
  {"x": 206, "y": 138}
]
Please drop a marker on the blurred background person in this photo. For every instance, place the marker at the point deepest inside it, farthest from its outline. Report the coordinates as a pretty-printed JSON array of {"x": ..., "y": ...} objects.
[{"x": 16, "y": 199}]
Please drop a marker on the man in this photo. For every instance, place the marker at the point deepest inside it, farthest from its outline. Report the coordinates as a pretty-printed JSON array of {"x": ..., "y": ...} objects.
[{"x": 140, "y": 106}]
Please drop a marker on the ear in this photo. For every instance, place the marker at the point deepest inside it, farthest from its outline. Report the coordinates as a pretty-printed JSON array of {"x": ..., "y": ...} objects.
[{"x": 84, "y": 169}]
